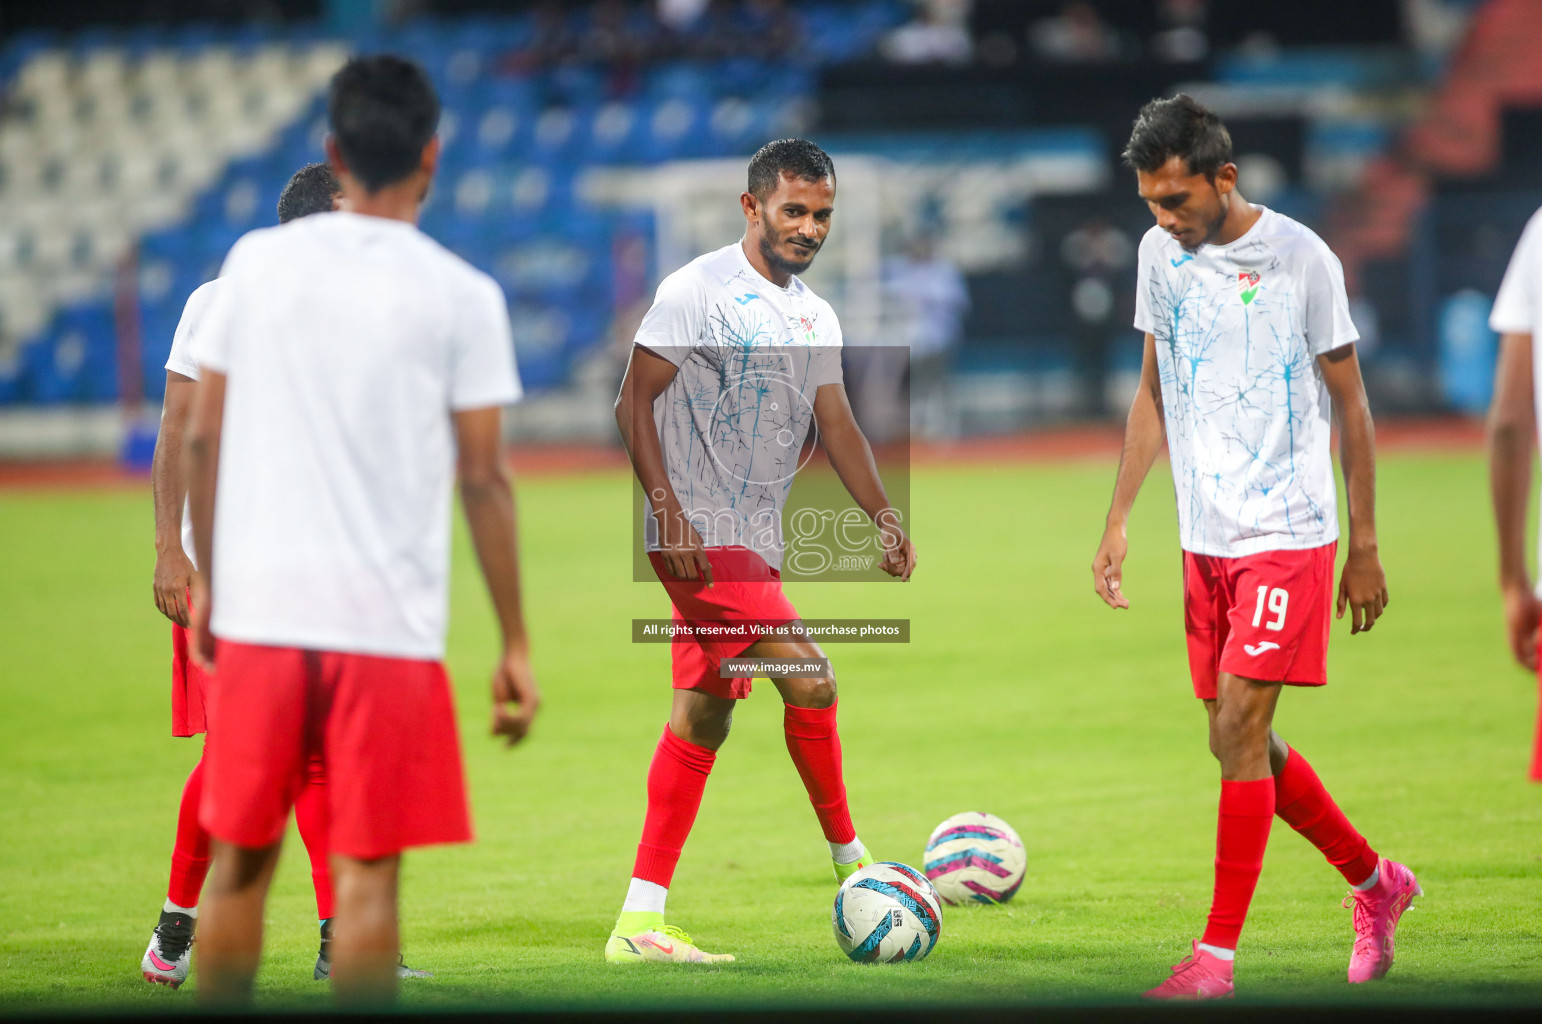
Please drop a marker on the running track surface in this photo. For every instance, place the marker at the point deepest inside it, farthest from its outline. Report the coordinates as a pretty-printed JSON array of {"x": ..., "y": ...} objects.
[{"x": 1058, "y": 444}]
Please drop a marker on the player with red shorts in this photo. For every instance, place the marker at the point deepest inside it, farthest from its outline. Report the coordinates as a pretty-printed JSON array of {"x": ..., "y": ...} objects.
[
  {"x": 312, "y": 189},
  {"x": 732, "y": 364},
  {"x": 350, "y": 368},
  {"x": 1249, "y": 346},
  {"x": 1513, "y": 420}
]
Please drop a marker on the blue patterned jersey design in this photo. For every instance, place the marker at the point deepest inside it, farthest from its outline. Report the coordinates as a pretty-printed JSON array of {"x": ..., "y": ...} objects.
[
  {"x": 733, "y": 422},
  {"x": 1238, "y": 329}
]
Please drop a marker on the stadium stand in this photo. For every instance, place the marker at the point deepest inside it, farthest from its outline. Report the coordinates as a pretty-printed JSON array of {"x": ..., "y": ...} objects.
[
  {"x": 170, "y": 145},
  {"x": 139, "y": 155}
]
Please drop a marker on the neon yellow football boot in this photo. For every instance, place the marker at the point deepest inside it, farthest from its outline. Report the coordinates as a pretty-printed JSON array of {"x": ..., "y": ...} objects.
[
  {"x": 845, "y": 871},
  {"x": 643, "y": 937}
]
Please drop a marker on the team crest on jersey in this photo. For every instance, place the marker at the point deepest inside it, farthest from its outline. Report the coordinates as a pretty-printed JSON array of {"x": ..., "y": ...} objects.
[
  {"x": 805, "y": 325},
  {"x": 1247, "y": 285}
]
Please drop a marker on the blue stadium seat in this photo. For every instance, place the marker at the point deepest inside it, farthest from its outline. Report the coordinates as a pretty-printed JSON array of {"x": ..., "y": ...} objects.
[
  {"x": 518, "y": 216},
  {"x": 75, "y": 361}
]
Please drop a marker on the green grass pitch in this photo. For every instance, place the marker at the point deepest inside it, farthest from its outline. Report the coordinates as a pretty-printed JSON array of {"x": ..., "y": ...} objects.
[{"x": 1020, "y": 694}]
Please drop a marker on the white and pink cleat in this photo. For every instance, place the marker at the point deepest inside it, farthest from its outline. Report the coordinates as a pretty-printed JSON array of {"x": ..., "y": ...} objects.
[{"x": 1377, "y": 910}]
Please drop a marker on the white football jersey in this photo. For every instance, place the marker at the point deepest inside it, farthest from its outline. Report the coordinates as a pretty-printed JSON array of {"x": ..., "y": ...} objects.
[
  {"x": 180, "y": 360},
  {"x": 1238, "y": 330},
  {"x": 348, "y": 343},
  {"x": 733, "y": 420}
]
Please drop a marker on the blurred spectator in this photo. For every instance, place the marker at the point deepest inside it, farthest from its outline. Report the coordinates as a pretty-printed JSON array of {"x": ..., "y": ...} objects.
[
  {"x": 552, "y": 41},
  {"x": 939, "y": 34},
  {"x": 616, "y": 35},
  {"x": 772, "y": 29},
  {"x": 1099, "y": 256},
  {"x": 928, "y": 293},
  {"x": 621, "y": 40},
  {"x": 1182, "y": 36},
  {"x": 1077, "y": 34}
]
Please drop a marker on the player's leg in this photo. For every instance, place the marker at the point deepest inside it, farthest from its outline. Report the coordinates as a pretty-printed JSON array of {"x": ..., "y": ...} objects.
[
  {"x": 313, "y": 818},
  {"x": 364, "y": 948},
  {"x": 230, "y": 940},
  {"x": 1294, "y": 608},
  {"x": 677, "y": 777},
  {"x": 254, "y": 758},
  {"x": 372, "y": 716},
  {"x": 169, "y": 954},
  {"x": 1381, "y": 889},
  {"x": 1239, "y": 739},
  {"x": 1303, "y": 803},
  {"x": 1241, "y": 723},
  {"x": 814, "y": 743}
]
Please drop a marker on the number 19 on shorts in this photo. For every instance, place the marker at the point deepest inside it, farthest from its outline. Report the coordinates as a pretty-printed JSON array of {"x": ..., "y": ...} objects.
[{"x": 1275, "y": 600}]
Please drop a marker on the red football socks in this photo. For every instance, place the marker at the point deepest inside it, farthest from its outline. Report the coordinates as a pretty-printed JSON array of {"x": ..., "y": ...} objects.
[
  {"x": 1536, "y": 746},
  {"x": 815, "y": 747},
  {"x": 190, "y": 851},
  {"x": 1247, "y": 809},
  {"x": 676, "y": 780},
  {"x": 1299, "y": 798},
  {"x": 314, "y": 818}
]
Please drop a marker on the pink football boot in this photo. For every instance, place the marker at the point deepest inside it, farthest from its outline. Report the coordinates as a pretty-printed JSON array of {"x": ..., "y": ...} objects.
[
  {"x": 1377, "y": 910},
  {"x": 1202, "y": 975}
]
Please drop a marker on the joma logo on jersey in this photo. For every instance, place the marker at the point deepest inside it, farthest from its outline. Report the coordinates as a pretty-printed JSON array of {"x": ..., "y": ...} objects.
[{"x": 1247, "y": 285}]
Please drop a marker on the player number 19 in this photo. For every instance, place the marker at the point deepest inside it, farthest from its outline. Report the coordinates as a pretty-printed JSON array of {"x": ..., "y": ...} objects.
[{"x": 1277, "y": 599}]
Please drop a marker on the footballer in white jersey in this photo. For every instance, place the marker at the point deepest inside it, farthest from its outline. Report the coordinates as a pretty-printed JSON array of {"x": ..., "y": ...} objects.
[
  {"x": 731, "y": 368},
  {"x": 1249, "y": 349},
  {"x": 1512, "y": 436}
]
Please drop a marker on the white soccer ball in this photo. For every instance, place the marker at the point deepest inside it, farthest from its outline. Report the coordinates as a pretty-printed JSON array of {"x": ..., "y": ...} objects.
[
  {"x": 975, "y": 858},
  {"x": 886, "y": 913}
]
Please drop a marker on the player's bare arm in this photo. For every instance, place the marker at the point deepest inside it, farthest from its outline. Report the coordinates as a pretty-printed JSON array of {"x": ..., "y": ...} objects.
[
  {"x": 203, "y": 454},
  {"x": 1511, "y": 429},
  {"x": 852, "y": 458},
  {"x": 487, "y": 495},
  {"x": 1144, "y": 435},
  {"x": 647, "y": 375},
  {"x": 1363, "y": 584},
  {"x": 168, "y": 487}
]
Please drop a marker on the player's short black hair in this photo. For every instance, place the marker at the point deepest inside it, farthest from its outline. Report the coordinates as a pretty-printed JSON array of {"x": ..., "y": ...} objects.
[
  {"x": 798, "y": 157},
  {"x": 312, "y": 190},
  {"x": 383, "y": 111},
  {"x": 1180, "y": 126}
]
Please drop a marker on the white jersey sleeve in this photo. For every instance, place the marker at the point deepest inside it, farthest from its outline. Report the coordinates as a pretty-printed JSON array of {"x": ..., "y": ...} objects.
[
  {"x": 677, "y": 320},
  {"x": 1143, "y": 318},
  {"x": 194, "y": 314},
  {"x": 482, "y": 349},
  {"x": 1328, "y": 324},
  {"x": 1518, "y": 306},
  {"x": 826, "y": 365},
  {"x": 215, "y": 339}
]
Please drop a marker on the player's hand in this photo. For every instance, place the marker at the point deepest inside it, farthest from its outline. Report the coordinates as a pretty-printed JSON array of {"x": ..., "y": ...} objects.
[
  {"x": 1521, "y": 613},
  {"x": 1362, "y": 590},
  {"x": 516, "y": 698},
  {"x": 173, "y": 574},
  {"x": 899, "y": 552},
  {"x": 684, "y": 554},
  {"x": 1108, "y": 567},
  {"x": 200, "y": 640}
]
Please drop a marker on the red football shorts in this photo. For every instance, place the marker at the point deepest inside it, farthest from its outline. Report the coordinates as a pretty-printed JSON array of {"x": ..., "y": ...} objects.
[
  {"x": 745, "y": 598},
  {"x": 1263, "y": 616},
  {"x": 188, "y": 686},
  {"x": 383, "y": 727}
]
